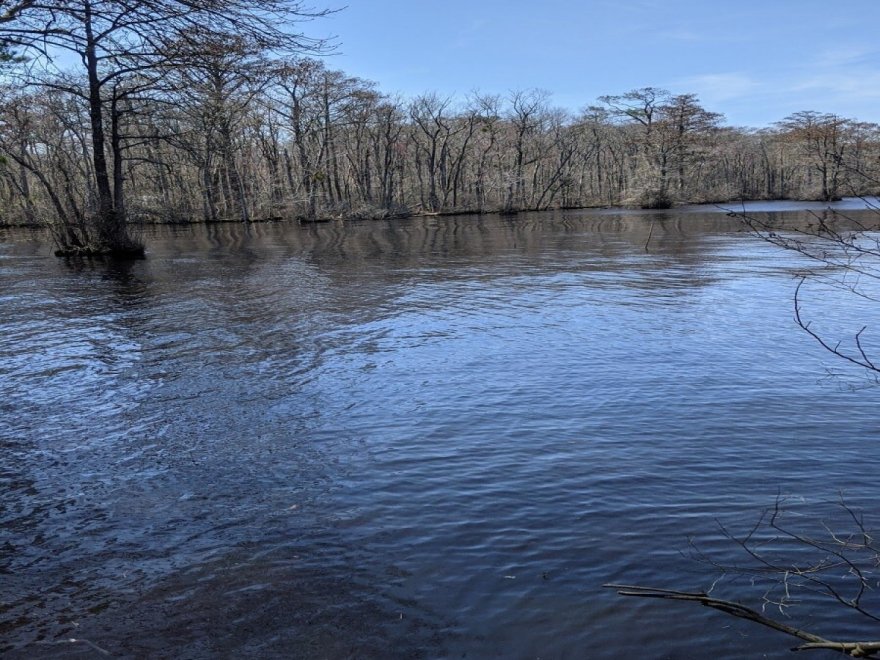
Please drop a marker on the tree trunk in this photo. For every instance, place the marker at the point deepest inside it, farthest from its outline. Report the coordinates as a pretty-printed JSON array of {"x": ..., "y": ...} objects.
[{"x": 112, "y": 237}]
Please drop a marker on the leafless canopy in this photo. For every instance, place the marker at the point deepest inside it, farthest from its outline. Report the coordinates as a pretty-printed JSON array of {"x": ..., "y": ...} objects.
[{"x": 128, "y": 47}]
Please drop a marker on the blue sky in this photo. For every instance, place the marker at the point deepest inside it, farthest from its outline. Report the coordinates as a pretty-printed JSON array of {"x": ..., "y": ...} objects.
[{"x": 756, "y": 61}]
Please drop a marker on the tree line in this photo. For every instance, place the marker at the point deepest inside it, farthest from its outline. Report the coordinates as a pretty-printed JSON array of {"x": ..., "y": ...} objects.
[{"x": 159, "y": 118}]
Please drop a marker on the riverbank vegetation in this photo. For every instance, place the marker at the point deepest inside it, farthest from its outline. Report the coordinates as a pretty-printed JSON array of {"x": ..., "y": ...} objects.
[
  {"x": 89, "y": 98},
  {"x": 183, "y": 123}
]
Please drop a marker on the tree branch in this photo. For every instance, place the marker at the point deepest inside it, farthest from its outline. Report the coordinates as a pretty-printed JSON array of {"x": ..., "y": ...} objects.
[{"x": 813, "y": 641}]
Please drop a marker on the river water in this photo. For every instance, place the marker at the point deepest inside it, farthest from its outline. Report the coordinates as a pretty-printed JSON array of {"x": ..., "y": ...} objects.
[{"x": 417, "y": 438}]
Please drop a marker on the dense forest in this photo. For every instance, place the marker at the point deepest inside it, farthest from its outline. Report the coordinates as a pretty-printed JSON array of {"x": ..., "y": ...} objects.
[{"x": 212, "y": 126}]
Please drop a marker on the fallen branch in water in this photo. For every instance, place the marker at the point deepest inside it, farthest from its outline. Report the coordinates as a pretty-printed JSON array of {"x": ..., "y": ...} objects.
[{"x": 813, "y": 642}]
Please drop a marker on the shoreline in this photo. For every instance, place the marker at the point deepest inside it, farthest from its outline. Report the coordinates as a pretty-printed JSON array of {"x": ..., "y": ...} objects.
[{"x": 731, "y": 206}]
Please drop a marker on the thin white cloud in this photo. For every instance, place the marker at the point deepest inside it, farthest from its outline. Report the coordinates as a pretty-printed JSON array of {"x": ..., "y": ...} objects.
[
  {"x": 840, "y": 76},
  {"x": 832, "y": 82},
  {"x": 847, "y": 55},
  {"x": 719, "y": 87},
  {"x": 861, "y": 85}
]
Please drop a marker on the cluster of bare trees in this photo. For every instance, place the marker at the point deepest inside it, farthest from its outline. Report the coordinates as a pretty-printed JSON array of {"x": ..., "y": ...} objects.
[
  {"x": 92, "y": 97},
  {"x": 162, "y": 118}
]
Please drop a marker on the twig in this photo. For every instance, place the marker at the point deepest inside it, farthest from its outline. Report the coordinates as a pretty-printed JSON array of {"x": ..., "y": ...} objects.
[
  {"x": 726, "y": 606},
  {"x": 853, "y": 649},
  {"x": 865, "y": 362}
]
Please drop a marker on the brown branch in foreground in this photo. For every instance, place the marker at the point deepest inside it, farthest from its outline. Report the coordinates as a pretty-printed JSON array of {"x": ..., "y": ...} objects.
[
  {"x": 836, "y": 563},
  {"x": 813, "y": 642}
]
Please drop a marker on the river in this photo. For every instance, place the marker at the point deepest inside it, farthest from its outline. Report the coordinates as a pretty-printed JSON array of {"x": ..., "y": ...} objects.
[{"x": 433, "y": 437}]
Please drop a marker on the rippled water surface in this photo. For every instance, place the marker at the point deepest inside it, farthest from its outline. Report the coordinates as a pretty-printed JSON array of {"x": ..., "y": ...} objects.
[{"x": 421, "y": 438}]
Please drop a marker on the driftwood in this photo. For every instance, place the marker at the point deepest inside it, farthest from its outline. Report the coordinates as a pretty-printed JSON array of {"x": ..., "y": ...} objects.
[{"x": 812, "y": 642}]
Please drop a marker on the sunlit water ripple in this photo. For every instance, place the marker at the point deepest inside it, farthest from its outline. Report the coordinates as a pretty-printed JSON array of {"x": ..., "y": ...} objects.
[{"x": 425, "y": 438}]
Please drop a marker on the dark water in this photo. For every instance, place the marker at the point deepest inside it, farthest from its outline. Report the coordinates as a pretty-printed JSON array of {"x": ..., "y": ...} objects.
[{"x": 425, "y": 438}]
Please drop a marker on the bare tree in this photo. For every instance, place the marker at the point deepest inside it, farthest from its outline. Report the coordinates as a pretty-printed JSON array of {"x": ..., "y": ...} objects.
[
  {"x": 822, "y": 142},
  {"x": 641, "y": 109},
  {"x": 689, "y": 127}
]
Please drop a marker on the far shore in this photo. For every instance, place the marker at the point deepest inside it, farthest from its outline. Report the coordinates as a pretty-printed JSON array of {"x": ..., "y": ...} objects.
[{"x": 846, "y": 204}]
